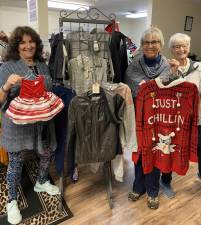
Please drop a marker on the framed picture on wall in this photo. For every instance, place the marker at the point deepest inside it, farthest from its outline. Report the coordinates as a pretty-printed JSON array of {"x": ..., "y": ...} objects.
[{"x": 188, "y": 23}]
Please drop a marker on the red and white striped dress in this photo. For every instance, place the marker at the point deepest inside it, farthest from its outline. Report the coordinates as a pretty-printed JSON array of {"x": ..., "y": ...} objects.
[{"x": 34, "y": 103}]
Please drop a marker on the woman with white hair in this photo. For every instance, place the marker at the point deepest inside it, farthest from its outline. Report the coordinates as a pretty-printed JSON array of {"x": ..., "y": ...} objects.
[
  {"x": 179, "y": 45},
  {"x": 147, "y": 65}
]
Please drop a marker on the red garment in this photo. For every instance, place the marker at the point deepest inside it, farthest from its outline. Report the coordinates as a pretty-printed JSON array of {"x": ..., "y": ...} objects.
[
  {"x": 114, "y": 26},
  {"x": 34, "y": 103},
  {"x": 33, "y": 88},
  {"x": 167, "y": 125}
]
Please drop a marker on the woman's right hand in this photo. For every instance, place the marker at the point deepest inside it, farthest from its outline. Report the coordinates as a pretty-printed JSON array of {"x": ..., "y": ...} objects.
[
  {"x": 13, "y": 79},
  {"x": 174, "y": 65}
]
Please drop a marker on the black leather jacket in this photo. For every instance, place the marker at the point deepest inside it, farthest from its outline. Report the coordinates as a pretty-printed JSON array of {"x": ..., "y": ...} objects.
[{"x": 93, "y": 128}]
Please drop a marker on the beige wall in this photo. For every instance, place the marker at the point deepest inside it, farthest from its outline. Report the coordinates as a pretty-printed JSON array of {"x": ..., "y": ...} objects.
[{"x": 170, "y": 15}]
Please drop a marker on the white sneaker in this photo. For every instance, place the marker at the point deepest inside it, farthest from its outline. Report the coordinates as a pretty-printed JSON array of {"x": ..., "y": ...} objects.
[
  {"x": 46, "y": 187},
  {"x": 13, "y": 212}
]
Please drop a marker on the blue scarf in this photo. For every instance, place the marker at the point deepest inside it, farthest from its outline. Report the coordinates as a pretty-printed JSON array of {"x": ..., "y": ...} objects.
[{"x": 152, "y": 62}]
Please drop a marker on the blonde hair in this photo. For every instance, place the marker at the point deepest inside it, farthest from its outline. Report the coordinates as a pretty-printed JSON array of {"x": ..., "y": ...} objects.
[{"x": 154, "y": 31}]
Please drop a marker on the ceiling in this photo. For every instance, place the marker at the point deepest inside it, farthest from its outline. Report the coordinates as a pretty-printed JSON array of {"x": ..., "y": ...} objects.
[
  {"x": 119, "y": 7},
  {"x": 122, "y": 6}
]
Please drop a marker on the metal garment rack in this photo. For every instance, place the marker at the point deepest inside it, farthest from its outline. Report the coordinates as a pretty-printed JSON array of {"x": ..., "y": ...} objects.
[
  {"x": 80, "y": 22},
  {"x": 97, "y": 20}
]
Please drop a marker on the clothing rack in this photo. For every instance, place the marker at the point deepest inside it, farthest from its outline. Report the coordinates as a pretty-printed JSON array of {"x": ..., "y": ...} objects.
[
  {"x": 92, "y": 19},
  {"x": 91, "y": 16},
  {"x": 97, "y": 20}
]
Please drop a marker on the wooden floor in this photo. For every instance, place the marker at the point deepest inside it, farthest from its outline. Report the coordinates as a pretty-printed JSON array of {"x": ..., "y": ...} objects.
[{"x": 87, "y": 200}]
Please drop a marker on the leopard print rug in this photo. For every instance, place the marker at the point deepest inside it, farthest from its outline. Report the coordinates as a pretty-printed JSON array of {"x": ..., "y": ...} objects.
[{"x": 36, "y": 208}]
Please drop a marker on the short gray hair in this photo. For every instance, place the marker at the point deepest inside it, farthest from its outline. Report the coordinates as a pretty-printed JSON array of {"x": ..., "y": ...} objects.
[
  {"x": 179, "y": 37},
  {"x": 153, "y": 30}
]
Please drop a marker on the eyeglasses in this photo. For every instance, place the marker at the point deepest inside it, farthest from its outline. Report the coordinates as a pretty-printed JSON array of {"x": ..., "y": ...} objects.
[
  {"x": 153, "y": 43},
  {"x": 177, "y": 47}
]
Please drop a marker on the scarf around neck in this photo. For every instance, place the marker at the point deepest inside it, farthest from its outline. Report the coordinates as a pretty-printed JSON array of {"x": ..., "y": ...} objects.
[
  {"x": 152, "y": 62},
  {"x": 158, "y": 65}
]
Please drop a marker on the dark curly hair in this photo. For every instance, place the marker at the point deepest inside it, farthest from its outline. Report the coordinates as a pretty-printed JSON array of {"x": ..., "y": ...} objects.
[{"x": 16, "y": 38}]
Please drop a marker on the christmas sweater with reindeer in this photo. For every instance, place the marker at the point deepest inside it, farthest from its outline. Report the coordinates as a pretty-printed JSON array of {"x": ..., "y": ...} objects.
[{"x": 167, "y": 125}]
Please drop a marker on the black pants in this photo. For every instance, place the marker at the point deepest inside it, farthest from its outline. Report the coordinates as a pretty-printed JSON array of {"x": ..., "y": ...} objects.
[
  {"x": 146, "y": 182},
  {"x": 166, "y": 178}
]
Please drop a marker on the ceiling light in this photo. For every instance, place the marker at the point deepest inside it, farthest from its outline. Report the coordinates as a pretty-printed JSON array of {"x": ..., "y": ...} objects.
[
  {"x": 65, "y": 5},
  {"x": 137, "y": 15}
]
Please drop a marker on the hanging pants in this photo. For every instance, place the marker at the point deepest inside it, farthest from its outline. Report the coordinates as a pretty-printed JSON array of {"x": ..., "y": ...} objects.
[
  {"x": 14, "y": 171},
  {"x": 146, "y": 182}
]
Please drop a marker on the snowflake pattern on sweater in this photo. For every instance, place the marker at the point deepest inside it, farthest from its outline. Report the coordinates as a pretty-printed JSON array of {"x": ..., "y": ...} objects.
[{"x": 166, "y": 124}]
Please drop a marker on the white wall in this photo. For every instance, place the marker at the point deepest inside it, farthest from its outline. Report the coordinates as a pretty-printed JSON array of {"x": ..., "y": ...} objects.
[
  {"x": 167, "y": 15},
  {"x": 53, "y": 17},
  {"x": 130, "y": 27},
  {"x": 11, "y": 17},
  {"x": 133, "y": 28},
  {"x": 170, "y": 16}
]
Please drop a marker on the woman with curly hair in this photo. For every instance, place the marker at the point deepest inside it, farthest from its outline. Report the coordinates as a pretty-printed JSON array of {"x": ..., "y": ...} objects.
[{"x": 23, "y": 59}]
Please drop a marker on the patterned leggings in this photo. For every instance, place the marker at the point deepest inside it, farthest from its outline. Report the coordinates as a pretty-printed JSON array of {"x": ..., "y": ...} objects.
[{"x": 15, "y": 169}]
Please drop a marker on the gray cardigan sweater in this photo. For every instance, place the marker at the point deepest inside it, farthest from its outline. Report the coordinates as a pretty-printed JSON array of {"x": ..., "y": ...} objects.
[{"x": 20, "y": 137}]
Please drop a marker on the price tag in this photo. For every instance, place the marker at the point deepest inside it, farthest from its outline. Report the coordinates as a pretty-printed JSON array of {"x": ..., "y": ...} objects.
[
  {"x": 96, "y": 46},
  {"x": 96, "y": 88}
]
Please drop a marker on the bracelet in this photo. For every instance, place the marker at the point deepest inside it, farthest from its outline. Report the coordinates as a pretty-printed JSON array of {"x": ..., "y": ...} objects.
[{"x": 5, "y": 91}]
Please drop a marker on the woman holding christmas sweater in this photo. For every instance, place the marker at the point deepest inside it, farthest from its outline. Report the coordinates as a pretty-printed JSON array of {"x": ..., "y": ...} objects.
[
  {"x": 24, "y": 57},
  {"x": 146, "y": 66},
  {"x": 179, "y": 45}
]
